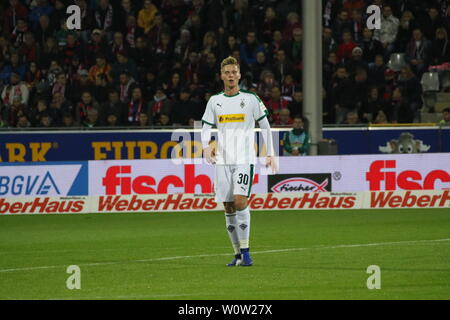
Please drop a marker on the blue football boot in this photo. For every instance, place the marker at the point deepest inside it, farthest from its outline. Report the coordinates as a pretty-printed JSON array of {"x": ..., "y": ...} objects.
[
  {"x": 246, "y": 258},
  {"x": 236, "y": 261}
]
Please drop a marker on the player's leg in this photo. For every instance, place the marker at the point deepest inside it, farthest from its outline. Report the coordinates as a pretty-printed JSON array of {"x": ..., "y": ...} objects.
[
  {"x": 223, "y": 188},
  {"x": 243, "y": 179},
  {"x": 231, "y": 224}
]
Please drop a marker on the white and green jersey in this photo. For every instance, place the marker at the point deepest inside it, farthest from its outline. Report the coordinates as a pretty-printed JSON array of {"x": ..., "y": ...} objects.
[{"x": 235, "y": 118}]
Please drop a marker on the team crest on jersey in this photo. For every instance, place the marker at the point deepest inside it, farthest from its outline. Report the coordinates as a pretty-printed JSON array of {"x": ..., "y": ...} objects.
[{"x": 242, "y": 103}]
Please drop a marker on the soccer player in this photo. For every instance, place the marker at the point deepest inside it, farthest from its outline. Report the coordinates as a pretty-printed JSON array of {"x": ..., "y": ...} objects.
[{"x": 234, "y": 112}]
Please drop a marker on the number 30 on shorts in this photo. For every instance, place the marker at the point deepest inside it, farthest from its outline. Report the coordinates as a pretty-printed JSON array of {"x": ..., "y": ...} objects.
[{"x": 243, "y": 179}]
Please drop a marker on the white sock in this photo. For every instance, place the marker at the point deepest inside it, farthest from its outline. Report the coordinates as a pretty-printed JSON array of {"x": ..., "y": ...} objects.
[
  {"x": 231, "y": 222},
  {"x": 243, "y": 227}
]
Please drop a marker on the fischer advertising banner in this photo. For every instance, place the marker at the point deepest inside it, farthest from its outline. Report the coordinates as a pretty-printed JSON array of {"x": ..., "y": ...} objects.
[
  {"x": 296, "y": 174},
  {"x": 171, "y": 185},
  {"x": 205, "y": 202}
]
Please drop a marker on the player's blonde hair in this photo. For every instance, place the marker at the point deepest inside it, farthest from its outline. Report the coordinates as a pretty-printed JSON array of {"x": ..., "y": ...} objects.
[{"x": 229, "y": 61}]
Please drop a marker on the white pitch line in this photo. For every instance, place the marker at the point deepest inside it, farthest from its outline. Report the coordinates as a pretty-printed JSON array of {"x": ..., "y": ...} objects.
[{"x": 227, "y": 254}]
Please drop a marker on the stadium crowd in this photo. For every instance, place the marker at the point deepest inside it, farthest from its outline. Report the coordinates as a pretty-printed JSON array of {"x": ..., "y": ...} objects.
[{"x": 156, "y": 63}]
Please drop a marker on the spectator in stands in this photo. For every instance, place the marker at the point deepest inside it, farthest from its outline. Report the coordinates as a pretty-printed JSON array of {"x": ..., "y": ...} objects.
[
  {"x": 113, "y": 106},
  {"x": 59, "y": 106},
  {"x": 33, "y": 76},
  {"x": 12, "y": 14},
  {"x": 266, "y": 84},
  {"x": 407, "y": 24},
  {"x": 275, "y": 104},
  {"x": 44, "y": 30},
  {"x": 370, "y": 47},
  {"x": 146, "y": 16},
  {"x": 95, "y": 46},
  {"x": 23, "y": 122},
  {"x": 184, "y": 108},
  {"x": 136, "y": 106},
  {"x": 284, "y": 118},
  {"x": 15, "y": 89},
  {"x": 173, "y": 86},
  {"x": 297, "y": 141},
  {"x": 296, "y": 105},
  {"x": 388, "y": 31},
  {"x": 68, "y": 120},
  {"x": 49, "y": 53},
  {"x": 104, "y": 18},
  {"x": 269, "y": 24},
  {"x": 42, "y": 8},
  {"x": 345, "y": 48},
  {"x": 399, "y": 109},
  {"x": 412, "y": 87},
  {"x": 87, "y": 103},
  {"x": 341, "y": 22},
  {"x": 352, "y": 118},
  {"x": 164, "y": 120},
  {"x": 92, "y": 119},
  {"x": 72, "y": 48},
  {"x": 210, "y": 44},
  {"x": 381, "y": 118},
  {"x": 17, "y": 35},
  {"x": 15, "y": 66},
  {"x": 117, "y": 45},
  {"x": 124, "y": 63},
  {"x": 292, "y": 22},
  {"x": 159, "y": 105},
  {"x": 417, "y": 52},
  {"x": 329, "y": 45},
  {"x": 377, "y": 70},
  {"x": 440, "y": 47},
  {"x": 46, "y": 121},
  {"x": 431, "y": 22},
  {"x": 16, "y": 109},
  {"x": 249, "y": 48},
  {"x": 80, "y": 85},
  {"x": 371, "y": 105},
  {"x": 37, "y": 113},
  {"x": 112, "y": 120},
  {"x": 343, "y": 94},
  {"x": 101, "y": 68},
  {"x": 282, "y": 65},
  {"x": 445, "y": 117},
  {"x": 143, "y": 120},
  {"x": 126, "y": 83}
]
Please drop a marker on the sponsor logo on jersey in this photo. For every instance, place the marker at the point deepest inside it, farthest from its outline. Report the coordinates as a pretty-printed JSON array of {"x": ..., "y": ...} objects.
[
  {"x": 320, "y": 182},
  {"x": 239, "y": 117}
]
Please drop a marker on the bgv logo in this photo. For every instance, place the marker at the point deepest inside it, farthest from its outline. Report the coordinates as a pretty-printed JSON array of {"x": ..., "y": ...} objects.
[
  {"x": 27, "y": 185},
  {"x": 406, "y": 180}
]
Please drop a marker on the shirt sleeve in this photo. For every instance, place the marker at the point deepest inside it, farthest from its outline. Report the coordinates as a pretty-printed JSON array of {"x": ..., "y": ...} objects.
[
  {"x": 209, "y": 116},
  {"x": 260, "y": 110}
]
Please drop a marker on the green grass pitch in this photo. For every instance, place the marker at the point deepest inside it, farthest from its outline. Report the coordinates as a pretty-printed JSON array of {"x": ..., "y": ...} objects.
[{"x": 297, "y": 255}]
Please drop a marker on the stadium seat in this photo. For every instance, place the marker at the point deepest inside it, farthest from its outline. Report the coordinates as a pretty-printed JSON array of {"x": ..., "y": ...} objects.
[
  {"x": 430, "y": 81},
  {"x": 397, "y": 61}
]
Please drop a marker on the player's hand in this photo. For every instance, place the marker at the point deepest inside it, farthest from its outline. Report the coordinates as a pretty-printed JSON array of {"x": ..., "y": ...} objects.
[
  {"x": 209, "y": 155},
  {"x": 270, "y": 163}
]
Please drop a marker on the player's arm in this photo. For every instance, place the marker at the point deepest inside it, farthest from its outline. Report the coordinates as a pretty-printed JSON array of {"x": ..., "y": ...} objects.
[
  {"x": 207, "y": 124},
  {"x": 208, "y": 152},
  {"x": 268, "y": 140},
  {"x": 260, "y": 114}
]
